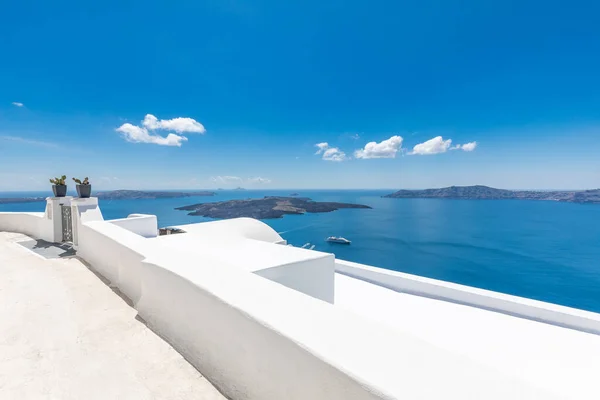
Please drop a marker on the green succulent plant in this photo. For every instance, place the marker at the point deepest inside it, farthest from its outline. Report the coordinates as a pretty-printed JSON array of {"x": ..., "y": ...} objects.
[
  {"x": 80, "y": 182},
  {"x": 59, "y": 181}
]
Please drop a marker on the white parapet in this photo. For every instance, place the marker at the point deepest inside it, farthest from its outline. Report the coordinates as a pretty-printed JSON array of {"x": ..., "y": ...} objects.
[
  {"x": 253, "y": 246},
  {"x": 84, "y": 210},
  {"x": 52, "y": 227},
  {"x": 144, "y": 225}
]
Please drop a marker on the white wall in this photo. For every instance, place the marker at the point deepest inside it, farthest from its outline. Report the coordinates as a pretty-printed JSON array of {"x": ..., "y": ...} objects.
[
  {"x": 29, "y": 223},
  {"x": 244, "y": 356},
  {"x": 258, "y": 340},
  {"x": 115, "y": 253},
  {"x": 315, "y": 277},
  {"x": 248, "y": 228},
  {"x": 493, "y": 301},
  {"x": 141, "y": 224},
  {"x": 84, "y": 210}
]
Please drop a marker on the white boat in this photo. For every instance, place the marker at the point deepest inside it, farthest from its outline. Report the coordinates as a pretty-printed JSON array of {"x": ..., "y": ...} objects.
[{"x": 340, "y": 240}]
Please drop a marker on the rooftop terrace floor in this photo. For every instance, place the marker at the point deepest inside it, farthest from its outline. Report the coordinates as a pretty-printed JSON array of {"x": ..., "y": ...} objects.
[
  {"x": 560, "y": 361},
  {"x": 64, "y": 334}
]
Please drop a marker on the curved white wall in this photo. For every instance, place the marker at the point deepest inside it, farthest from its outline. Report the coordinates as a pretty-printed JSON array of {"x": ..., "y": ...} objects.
[
  {"x": 493, "y": 301},
  {"x": 248, "y": 228},
  {"x": 29, "y": 223},
  {"x": 141, "y": 224}
]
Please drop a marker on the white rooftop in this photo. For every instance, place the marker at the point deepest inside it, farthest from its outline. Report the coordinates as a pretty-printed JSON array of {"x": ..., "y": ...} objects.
[
  {"x": 64, "y": 334},
  {"x": 248, "y": 254},
  {"x": 559, "y": 361}
]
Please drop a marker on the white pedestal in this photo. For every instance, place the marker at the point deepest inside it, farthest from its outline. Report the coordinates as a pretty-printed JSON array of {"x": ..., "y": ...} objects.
[
  {"x": 84, "y": 210},
  {"x": 53, "y": 228}
]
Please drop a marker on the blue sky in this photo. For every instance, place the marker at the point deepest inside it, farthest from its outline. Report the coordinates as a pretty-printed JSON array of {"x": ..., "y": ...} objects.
[{"x": 255, "y": 86}]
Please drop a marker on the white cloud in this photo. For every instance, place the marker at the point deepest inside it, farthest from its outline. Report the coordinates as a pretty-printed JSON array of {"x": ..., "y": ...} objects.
[
  {"x": 258, "y": 179},
  {"x": 385, "y": 149},
  {"x": 178, "y": 125},
  {"x": 469, "y": 146},
  {"x": 17, "y": 104},
  {"x": 321, "y": 147},
  {"x": 330, "y": 153},
  {"x": 225, "y": 179},
  {"x": 436, "y": 145},
  {"x": 136, "y": 134},
  {"x": 144, "y": 134},
  {"x": 334, "y": 154}
]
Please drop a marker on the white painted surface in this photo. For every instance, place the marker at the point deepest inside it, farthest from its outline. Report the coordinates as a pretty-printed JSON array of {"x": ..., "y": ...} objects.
[
  {"x": 115, "y": 253},
  {"x": 84, "y": 210},
  {"x": 24, "y": 222},
  {"x": 55, "y": 205},
  {"x": 65, "y": 335},
  {"x": 141, "y": 224},
  {"x": 310, "y": 272},
  {"x": 561, "y": 361},
  {"x": 313, "y": 277},
  {"x": 248, "y": 228},
  {"x": 513, "y": 305},
  {"x": 255, "y": 339},
  {"x": 259, "y": 340}
]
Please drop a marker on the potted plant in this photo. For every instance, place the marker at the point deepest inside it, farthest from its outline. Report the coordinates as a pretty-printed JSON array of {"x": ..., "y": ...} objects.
[
  {"x": 59, "y": 187},
  {"x": 84, "y": 189}
]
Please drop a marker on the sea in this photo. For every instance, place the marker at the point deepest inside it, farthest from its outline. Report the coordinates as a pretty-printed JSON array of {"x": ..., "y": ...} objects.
[{"x": 542, "y": 250}]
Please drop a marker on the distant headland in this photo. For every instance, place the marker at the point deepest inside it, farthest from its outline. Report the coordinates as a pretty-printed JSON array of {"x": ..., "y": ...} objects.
[
  {"x": 116, "y": 195},
  {"x": 142, "y": 194},
  {"x": 479, "y": 192},
  {"x": 265, "y": 208},
  {"x": 16, "y": 200}
]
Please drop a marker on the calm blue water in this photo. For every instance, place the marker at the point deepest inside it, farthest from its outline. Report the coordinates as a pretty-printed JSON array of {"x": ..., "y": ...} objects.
[{"x": 542, "y": 250}]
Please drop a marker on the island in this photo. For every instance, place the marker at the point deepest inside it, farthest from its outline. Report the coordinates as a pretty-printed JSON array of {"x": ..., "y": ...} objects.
[
  {"x": 116, "y": 195},
  {"x": 268, "y": 207},
  {"x": 480, "y": 192},
  {"x": 142, "y": 194},
  {"x": 15, "y": 200}
]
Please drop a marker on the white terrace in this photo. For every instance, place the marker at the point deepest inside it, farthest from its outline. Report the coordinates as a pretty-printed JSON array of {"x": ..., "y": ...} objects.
[{"x": 261, "y": 320}]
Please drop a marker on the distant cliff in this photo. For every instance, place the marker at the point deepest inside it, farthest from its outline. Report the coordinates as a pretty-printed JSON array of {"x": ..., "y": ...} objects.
[
  {"x": 142, "y": 194},
  {"x": 115, "y": 195},
  {"x": 14, "y": 200},
  {"x": 265, "y": 208},
  {"x": 488, "y": 193}
]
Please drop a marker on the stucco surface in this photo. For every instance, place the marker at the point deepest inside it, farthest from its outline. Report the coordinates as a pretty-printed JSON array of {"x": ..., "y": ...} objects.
[
  {"x": 241, "y": 227},
  {"x": 557, "y": 360},
  {"x": 64, "y": 334}
]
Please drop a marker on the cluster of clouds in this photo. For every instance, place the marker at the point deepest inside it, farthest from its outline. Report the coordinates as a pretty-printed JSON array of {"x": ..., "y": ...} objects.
[
  {"x": 238, "y": 180},
  {"x": 438, "y": 145},
  {"x": 389, "y": 148},
  {"x": 330, "y": 153},
  {"x": 147, "y": 132}
]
